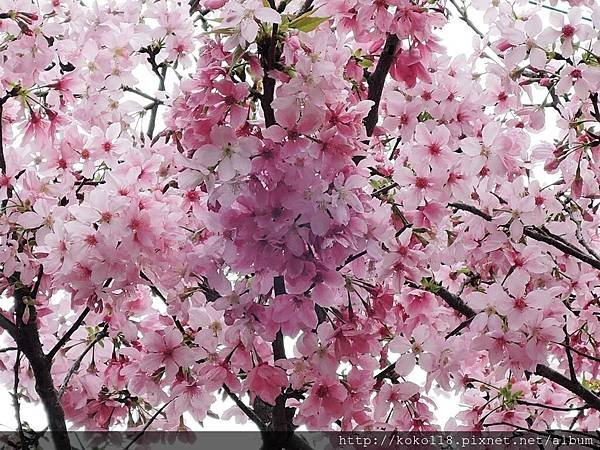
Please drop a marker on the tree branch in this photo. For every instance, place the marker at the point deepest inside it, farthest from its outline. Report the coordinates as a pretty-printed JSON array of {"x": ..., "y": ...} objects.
[
  {"x": 376, "y": 81},
  {"x": 571, "y": 385},
  {"x": 68, "y": 334},
  {"x": 147, "y": 424},
  {"x": 160, "y": 295},
  {"x": 537, "y": 235},
  {"x": 268, "y": 62},
  {"x": 16, "y": 401},
  {"x": 246, "y": 409},
  {"x": 455, "y": 302},
  {"x": 551, "y": 407},
  {"x": 101, "y": 335},
  {"x": 2, "y": 158},
  {"x": 153, "y": 114},
  {"x": 279, "y": 420},
  {"x": 305, "y": 7},
  {"x": 28, "y": 341},
  {"x": 8, "y": 349}
]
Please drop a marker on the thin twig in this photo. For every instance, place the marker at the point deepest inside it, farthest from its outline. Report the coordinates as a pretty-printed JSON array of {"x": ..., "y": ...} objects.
[
  {"x": 572, "y": 372},
  {"x": 8, "y": 349},
  {"x": 552, "y": 8},
  {"x": 16, "y": 401},
  {"x": 69, "y": 333},
  {"x": 551, "y": 407},
  {"x": 246, "y": 409},
  {"x": 101, "y": 335},
  {"x": 538, "y": 235},
  {"x": 147, "y": 425}
]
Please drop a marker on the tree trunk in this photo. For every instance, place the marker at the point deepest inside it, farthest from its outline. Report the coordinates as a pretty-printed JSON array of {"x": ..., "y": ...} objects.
[{"x": 28, "y": 340}]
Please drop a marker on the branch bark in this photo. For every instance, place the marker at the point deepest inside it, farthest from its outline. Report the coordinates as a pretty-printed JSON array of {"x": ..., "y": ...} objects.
[
  {"x": 537, "y": 235},
  {"x": 101, "y": 335},
  {"x": 376, "y": 81},
  {"x": 591, "y": 399},
  {"x": 2, "y": 158},
  {"x": 68, "y": 334},
  {"x": 28, "y": 341},
  {"x": 280, "y": 422},
  {"x": 269, "y": 61},
  {"x": 16, "y": 400}
]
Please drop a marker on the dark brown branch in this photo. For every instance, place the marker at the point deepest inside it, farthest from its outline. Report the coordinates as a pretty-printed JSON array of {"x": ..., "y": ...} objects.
[
  {"x": 305, "y": 7},
  {"x": 16, "y": 401},
  {"x": 376, "y": 81},
  {"x": 351, "y": 258},
  {"x": 160, "y": 295},
  {"x": 562, "y": 247},
  {"x": 8, "y": 349},
  {"x": 537, "y": 235},
  {"x": 268, "y": 51},
  {"x": 28, "y": 340},
  {"x": 567, "y": 346},
  {"x": 246, "y": 409},
  {"x": 279, "y": 422},
  {"x": 472, "y": 210},
  {"x": 455, "y": 302},
  {"x": 154, "y": 112},
  {"x": 585, "y": 355},
  {"x": 460, "y": 327},
  {"x": 551, "y": 407},
  {"x": 75, "y": 367},
  {"x": 147, "y": 424},
  {"x": 2, "y": 158},
  {"x": 573, "y": 386},
  {"x": 388, "y": 372},
  {"x": 68, "y": 334},
  {"x": 594, "y": 99},
  {"x": 384, "y": 190}
]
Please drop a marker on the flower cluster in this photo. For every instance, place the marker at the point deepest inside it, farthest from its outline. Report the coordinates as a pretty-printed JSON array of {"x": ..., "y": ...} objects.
[{"x": 384, "y": 226}]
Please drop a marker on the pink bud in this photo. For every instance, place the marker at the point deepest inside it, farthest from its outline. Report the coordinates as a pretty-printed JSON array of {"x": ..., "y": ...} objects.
[
  {"x": 551, "y": 165},
  {"x": 577, "y": 186},
  {"x": 214, "y": 4},
  {"x": 504, "y": 45}
]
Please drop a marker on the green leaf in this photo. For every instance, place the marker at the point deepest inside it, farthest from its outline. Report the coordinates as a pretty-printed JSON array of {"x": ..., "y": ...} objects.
[
  {"x": 365, "y": 63},
  {"x": 430, "y": 285},
  {"x": 307, "y": 23},
  {"x": 424, "y": 116}
]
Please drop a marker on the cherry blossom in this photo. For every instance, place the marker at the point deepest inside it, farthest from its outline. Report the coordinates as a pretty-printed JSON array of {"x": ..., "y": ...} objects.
[{"x": 312, "y": 212}]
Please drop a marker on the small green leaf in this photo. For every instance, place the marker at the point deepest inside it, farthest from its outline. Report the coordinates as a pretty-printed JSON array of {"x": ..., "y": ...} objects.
[
  {"x": 365, "y": 63},
  {"x": 424, "y": 116},
  {"x": 307, "y": 23}
]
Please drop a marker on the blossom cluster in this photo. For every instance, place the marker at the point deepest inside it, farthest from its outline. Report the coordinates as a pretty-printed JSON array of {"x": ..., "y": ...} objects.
[{"x": 383, "y": 226}]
